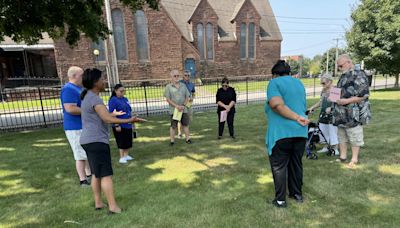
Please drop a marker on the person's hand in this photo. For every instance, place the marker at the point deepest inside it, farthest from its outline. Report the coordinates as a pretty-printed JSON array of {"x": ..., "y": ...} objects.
[
  {"x": 140, "y": 120},
  {"x": 328, "y": 110},
  {"x": 118, "y": 128},
  {"x": 180, "y": 108},
  {"x": 302, "y": 121},
  {"x": 342, "y": 102},
  {"x": 117, "y": 113},
  {"x": 227, "y": 109}
]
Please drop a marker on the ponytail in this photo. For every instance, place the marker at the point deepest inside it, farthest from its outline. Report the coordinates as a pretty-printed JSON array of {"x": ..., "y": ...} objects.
[{"x": 83, "y": 94}]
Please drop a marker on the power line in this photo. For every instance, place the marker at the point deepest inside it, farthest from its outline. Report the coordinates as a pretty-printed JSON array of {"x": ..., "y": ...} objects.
[{"x": 310, "y": 46}]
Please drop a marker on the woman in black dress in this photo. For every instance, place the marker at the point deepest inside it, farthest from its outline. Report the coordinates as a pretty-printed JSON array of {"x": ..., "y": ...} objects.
[{"x": 226, "y": 100}]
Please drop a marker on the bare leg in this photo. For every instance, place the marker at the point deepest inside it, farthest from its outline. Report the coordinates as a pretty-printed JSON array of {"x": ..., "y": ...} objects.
[
  {"x": 180, "y": 128},
  {"x": 343, "y": 150},
  {"x": 96, "y": 188},
  {"x": 121, "y": 153},
  {"x": 187, "y": 133},
  {"x": 355, "y": 151},
  {"x": 80, "y": 169},
  {"x": 87, "y": 169},
  {"x": 172, "y": 134},
  {"x": 107, "y": 187},
  {"x": 125, "y": 153}
]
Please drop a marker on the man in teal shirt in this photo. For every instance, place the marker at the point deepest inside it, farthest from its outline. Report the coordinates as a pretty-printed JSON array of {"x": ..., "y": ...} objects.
[{"x": 287, "y": 132}]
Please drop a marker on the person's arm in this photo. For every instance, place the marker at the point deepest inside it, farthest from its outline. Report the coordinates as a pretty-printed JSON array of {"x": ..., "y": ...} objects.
[
  {"x": 219, "y": 98},
  {"x": 233, "y": 101},
  {"x": 107, "y": 117},
  {"x": 361, "y": 88},
  {"x": 278, "y": 105},
  {"x": 316, "y": 105},
  {"x": 72, "y": 109}
]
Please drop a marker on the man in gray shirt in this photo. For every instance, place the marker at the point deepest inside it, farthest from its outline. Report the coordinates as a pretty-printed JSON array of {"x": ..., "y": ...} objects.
[{"x": 177, "y": 96}]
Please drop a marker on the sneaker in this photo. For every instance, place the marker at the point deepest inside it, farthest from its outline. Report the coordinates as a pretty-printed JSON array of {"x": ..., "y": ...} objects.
[
  {"x": 84, "y": 184},
  {"x": 128, "y": 158},
  {"x": 280, "y": 204},
  {"x": 323, "y": 150},
  {"x": 89, "y": 179},
  {"x": 171, "y": 143},
  {"x": 123, "y": 160},
  {"x": 219, "y": 137},
  {"x": 297, "y": 197},
  {"x": 337, "y": 153}
]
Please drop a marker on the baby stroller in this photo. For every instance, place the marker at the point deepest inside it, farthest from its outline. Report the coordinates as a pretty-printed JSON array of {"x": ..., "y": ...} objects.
[{"x": 313, "y": 138}]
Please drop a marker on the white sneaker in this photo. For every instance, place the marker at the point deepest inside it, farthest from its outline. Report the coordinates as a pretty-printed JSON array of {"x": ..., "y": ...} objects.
[
  {"x": 123, "y": 160},
  {"x": 337, "y": 153},
  {"x": 323, "y": 150},
  {"x": 128, "y": 158}
]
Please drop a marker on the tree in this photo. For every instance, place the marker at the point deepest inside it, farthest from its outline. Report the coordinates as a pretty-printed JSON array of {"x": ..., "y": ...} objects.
[
  {"x": 332, "y": 59},
  {"x": 375, "y": 35},
  {"x": 27, "y": 20},
  {"x": 294, "y": 66}
]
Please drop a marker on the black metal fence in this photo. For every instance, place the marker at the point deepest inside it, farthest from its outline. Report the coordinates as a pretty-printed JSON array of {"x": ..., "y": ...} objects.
[{"x": 39, "y": 107}]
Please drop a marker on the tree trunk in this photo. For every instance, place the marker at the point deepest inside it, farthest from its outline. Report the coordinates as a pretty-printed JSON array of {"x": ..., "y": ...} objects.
[{"x": 396, "y": 83}]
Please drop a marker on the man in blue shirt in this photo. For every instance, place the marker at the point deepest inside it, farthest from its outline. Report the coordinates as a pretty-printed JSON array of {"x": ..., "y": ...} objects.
[
  {"x": 71, "y": 103},
  {"x": 190, "y": 86}
]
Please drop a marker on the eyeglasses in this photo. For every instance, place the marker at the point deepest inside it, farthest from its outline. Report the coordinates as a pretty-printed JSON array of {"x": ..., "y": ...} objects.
[
  {"x": 323, "y": 83},
  {"x": 176, "y": 76},
  {"x": 341, "y": 65},
  {"x": 225, "y": 86}
]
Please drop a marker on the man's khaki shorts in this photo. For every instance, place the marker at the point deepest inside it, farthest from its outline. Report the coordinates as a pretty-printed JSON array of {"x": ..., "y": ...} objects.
[{"x": 354, "y": 136}]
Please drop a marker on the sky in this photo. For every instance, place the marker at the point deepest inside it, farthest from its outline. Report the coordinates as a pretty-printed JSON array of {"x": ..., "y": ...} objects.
[{"x": 309, "y": 27}]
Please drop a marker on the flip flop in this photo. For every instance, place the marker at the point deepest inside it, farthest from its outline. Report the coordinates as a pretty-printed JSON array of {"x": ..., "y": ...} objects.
[{"x": 352, "y": 165}]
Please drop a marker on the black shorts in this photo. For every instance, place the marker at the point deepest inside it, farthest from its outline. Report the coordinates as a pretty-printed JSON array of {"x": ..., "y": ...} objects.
[
  {"x": 184, "y": 121},
  {"x": 99, "y": 158},
  {"x": 123, "y": 138}
]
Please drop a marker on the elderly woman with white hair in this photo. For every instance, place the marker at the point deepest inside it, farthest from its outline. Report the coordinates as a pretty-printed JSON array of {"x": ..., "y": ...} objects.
[{"x": 325, "y": 117}]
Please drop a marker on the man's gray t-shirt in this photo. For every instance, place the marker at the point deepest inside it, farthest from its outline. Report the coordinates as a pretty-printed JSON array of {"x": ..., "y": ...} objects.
[
  {"x": 177, "y": 95},
  {"x": 93, "y": 128}
]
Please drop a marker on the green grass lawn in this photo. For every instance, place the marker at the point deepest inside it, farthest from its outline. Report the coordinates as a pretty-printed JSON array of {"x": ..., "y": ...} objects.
[{"x": 211, "y": 183}]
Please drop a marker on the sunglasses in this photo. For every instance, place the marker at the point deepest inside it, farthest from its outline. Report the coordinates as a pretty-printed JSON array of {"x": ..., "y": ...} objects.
[
  {"x": 225, "y": 86},
  {"x": 176, "y": 76}
]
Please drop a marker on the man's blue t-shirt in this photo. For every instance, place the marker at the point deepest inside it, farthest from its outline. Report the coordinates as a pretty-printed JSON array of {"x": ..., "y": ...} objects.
[
  {"x": 190, "y": 86},
  {"x": 292, "y": 92},
  {"x": 70, "y": 94}
]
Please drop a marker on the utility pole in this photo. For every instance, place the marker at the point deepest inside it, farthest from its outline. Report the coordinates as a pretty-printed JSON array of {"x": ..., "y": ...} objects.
[
  {"x": 327, "y": 61},
  {"x": 337, "y": 55},
  {"x": 114, "y": 64},
  {"x": 301, "y": 66}
]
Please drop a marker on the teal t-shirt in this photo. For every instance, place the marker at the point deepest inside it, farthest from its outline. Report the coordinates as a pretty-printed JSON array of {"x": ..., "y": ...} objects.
[{"x": 292, "y": 92}]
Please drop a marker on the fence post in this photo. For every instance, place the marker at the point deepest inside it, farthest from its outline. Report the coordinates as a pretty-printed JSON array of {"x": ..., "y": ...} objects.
[
  {"x": 41, "y": 105},
  {"x": 314, "y": 85},
  {"x": 374, "y": 80},
  {"x": 386, "y": 81},
  {"x": 145, "y": 98},
  {"x": 247, "y": 90}
]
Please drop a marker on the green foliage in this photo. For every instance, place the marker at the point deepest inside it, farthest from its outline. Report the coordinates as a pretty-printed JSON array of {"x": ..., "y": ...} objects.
[
  {"x": 332, "y": 57},
  {"x": 375, "y": 35},
  {"x": 27, "y": 20}
]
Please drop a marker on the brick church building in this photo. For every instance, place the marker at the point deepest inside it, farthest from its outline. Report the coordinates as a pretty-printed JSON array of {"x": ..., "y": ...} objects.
[{"x": 211, "y": 38}]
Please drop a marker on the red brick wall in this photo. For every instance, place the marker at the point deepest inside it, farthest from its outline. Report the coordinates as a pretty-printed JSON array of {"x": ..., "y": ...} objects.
[{"x": 168, "y": 49}]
